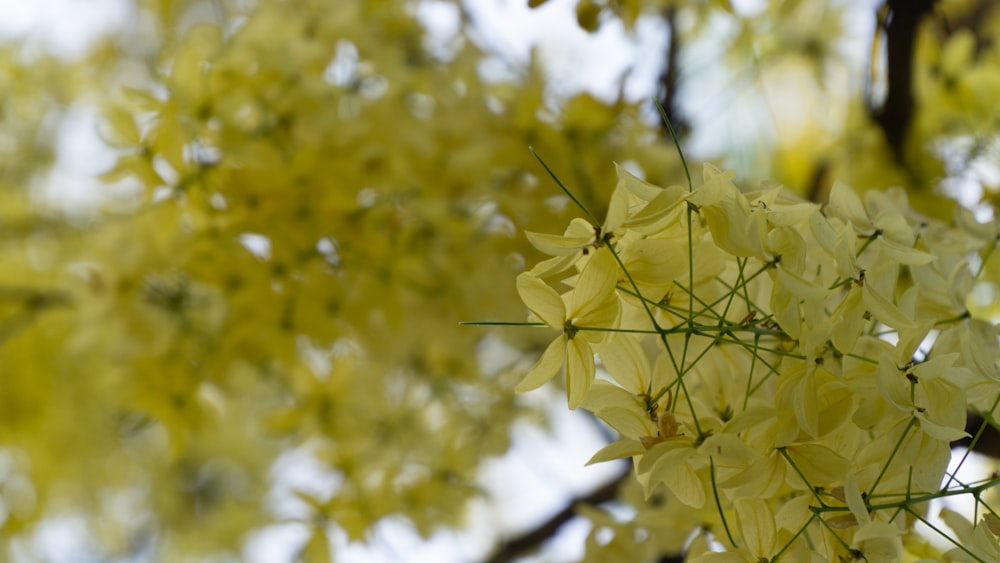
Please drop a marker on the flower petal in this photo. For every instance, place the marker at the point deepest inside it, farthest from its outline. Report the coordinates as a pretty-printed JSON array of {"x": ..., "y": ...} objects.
[
  {"x": 846, "y": 205},
  {"x": 884, "y": 310},
  {"x": 542, "y": 300},
  {"x": 756, "y": 524},
  {"x": 579, "y": 370},
  {"x": 625, "y": 447},
  {"x": 546, "y": 367},
  {"x": 627, "y": 363},
  {"x": 558, "y": 245},
  {"x": 596, "y": 282}
]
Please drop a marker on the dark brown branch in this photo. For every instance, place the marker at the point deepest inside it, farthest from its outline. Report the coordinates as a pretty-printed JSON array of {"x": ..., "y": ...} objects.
[
  {"x": 669, "y": 76},
  {"x": 533, "y": 539},
  {"x": 896, "y": 113},
  {"x": 989, "y": 442}
]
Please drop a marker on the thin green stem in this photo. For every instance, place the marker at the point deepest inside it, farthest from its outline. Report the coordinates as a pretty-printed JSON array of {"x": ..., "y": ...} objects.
[
  {"x": 677, "y": 142},
  {"x": 690, "y": 266},
  {"x": 986, "y": 257},
  {"x": 590, "y": 216},
  {"x": 663, "y": 339},
  {"x": 718, "y": 503},
  {"x": 501, "y": 323},
  {"x": 895, "y": 450},
  {"x": 833, "y": 533},
  {"x": 868, "y": 242},
  {"x": 753, "y": 364},
  {"x": 972, "y": 444},
  {"x": 795, "y": 537},
  {"x": 915, "y": 500},
  {"x": 798, "y": 472},
  {"x": 944, "y": 535}
]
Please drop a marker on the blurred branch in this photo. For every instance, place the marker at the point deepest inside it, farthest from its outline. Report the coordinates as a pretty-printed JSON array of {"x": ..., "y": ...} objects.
[
  {"x": 669, "y": 76},
  {"x": 989, "y": 442},
  {"x": 532, "y": 539},
  {"x": 901, "y": 29}
]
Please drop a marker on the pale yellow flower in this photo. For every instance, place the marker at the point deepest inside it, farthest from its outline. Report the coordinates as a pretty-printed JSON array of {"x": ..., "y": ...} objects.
[{"x": 591, "y": 304}]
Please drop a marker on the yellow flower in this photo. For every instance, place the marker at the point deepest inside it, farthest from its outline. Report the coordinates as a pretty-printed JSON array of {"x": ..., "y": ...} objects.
[
  {"x": 877, "y": 541},
  {"x": 591, "y": 304},
  {"x": 980, "y": 540},
  {"x": 927, "y": 392}
]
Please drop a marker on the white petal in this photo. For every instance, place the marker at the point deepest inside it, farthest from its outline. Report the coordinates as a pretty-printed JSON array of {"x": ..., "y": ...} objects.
[
  {"x": 542, "y": 300},
  {"x": 558, "y": 245},
  {"x": 756, "y": 524},
  {"x": 579, "y": 370},
  {"x": 884, "y": 310},
  {"x": 904, "y": 254},
  {"x": 616, "y": 450},
  {"x": 546, "y": 367},
  {"x": 596, "y": 282},
  {"x": 846, "y": 205},
  {"x": 627, "y": 363}
]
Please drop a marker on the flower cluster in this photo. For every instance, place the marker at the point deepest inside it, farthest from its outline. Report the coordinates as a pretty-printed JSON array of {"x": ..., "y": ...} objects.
[{"x": 801, "y": 368}]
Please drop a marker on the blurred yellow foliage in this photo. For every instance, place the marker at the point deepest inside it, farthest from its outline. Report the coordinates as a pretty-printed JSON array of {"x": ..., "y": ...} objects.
[{"x": 306, "y": 199}]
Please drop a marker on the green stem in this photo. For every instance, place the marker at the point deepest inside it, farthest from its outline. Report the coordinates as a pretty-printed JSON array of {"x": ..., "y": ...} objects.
[
  {"x": 590, "y": 216},
  {"x": 895, "y": 450},
  {"x": 798, "y": 471},
  {"x": 718, "y": 503}
]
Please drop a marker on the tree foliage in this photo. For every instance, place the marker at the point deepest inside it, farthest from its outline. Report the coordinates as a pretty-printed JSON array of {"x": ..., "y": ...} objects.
[{"x": 308, "y": 196}]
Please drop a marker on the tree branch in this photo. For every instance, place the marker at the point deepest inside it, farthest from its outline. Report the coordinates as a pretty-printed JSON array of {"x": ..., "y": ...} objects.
[
  {"x": 896, "y": 113},
  {"x": 989, "y": 442},
  {"x": 533, "y": 539},
  {"x": 669, "y": 76}
]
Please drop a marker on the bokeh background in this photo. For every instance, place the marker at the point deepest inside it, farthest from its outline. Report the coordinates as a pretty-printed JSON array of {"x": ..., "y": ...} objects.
[{"x": 238, "y": 237}]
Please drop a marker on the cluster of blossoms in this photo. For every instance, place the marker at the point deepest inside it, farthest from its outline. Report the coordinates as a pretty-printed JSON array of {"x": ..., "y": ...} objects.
[{"x": 797, "y": 371}]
